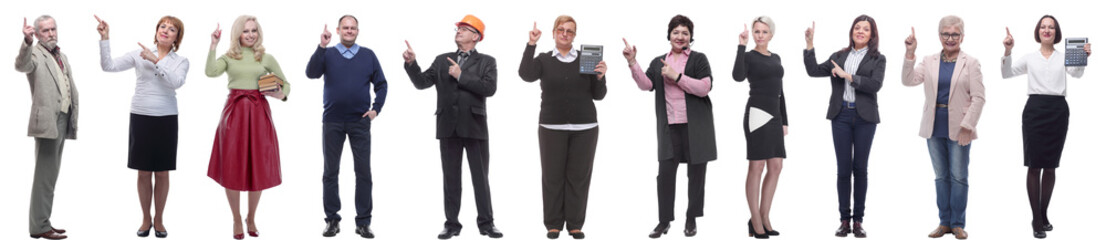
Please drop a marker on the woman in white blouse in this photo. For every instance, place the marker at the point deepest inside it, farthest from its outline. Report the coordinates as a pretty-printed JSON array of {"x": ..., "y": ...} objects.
[
  {"x": 1045, "y": 117},
  {"x": 153, "y": 123}
]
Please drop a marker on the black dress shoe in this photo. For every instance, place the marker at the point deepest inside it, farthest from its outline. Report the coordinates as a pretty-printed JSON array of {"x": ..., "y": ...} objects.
[
  {"x": 662, "y": 228},
  {"x": 448, "y": 233},
  {"x": 364, "y": 231},
  {"x": 773, "y": 233},
  {"x": 689, "y": 228},
  {"x": 331, "y": 228},
  {"x": 553, "y": 235},
  {"x": 576, "y": 235},
  {"x": 145, "y": 233},
  {"x": 844, "y": 229},
  {"x": 161, "y": 234},
  {"x": 1048, "y": 227},
  {"x": 491, "y": 232},
  {"x": 858, "y": 231},
  {"x": 753, "y": 233},
  {"x": 1039, "y": 234}
]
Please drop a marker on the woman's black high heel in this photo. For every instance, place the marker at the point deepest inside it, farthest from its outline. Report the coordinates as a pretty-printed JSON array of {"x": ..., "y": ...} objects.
[
  {"x": 145, "y": 233},
  {"x": 753, "y": 233}
]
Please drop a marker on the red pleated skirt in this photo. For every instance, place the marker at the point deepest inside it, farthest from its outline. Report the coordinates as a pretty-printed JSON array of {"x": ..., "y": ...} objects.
[{"x": 245, "y": 155}]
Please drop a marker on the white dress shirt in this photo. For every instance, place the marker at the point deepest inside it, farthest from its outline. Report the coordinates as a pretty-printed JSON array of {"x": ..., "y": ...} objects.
[
  {"x": 155, "y": 90},
  {"x": 1047, "y": 76},
  {"x": 851, "y": 64}
]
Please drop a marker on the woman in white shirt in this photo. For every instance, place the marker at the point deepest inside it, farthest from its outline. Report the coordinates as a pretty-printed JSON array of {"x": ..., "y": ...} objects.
[
  {"x": 153, "y": 123},
  {"x": 1045, "y": 117}
]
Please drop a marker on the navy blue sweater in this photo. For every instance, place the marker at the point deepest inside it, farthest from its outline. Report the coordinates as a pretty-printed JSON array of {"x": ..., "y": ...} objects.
[{"x": 346, "y": 92}]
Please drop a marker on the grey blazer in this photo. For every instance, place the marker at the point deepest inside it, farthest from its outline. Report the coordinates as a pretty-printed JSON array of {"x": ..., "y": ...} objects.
[{"x": 40, "y": 67}]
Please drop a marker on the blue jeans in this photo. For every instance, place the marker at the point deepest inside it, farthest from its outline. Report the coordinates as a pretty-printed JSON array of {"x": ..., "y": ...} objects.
[
  {"x": 950, "y": 165},
  {"x": 852, "y": 141}
]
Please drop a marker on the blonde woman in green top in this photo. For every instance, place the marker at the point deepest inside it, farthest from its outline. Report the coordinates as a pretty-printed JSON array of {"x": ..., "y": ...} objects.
[{"x": 245, "y": 156}]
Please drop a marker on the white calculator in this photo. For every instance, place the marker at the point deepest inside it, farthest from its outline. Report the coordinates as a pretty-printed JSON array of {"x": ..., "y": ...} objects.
[
  {"x": 590, "y": 55},
  {"x": 1073, "y": 52}
]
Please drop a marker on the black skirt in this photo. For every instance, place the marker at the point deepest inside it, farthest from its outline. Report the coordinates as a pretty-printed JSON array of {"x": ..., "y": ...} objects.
[
  {"x": 153, "y": 143},
  {"x": 1044, "y": 129},
  {"x": 764, "y": 128}
]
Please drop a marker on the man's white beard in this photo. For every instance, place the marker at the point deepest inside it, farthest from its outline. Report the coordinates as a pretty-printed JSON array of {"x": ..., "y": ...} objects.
[{"x": 50, "y": 45}]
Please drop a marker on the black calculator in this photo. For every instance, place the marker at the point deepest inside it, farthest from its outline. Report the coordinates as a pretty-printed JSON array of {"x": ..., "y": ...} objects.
[
  {"x": 590, "y": 55},
  {"x": 1073, "y": 52}
]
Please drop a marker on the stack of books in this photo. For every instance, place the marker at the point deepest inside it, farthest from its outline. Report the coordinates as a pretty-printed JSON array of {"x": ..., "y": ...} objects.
[{"x": 269, "y": 82}]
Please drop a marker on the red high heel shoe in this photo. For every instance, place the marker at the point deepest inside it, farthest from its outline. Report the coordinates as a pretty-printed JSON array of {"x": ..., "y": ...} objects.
[{"x": 239, "y": 236}]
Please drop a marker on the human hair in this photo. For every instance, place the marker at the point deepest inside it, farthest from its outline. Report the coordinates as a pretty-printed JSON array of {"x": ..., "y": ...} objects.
[
  {"x": 176, "y": 23},
  {"x": 348, "y": 16},
  {"x": 951, "y": 21},
  {"x": 560, "y": 20},
  {"x": 680, "y": 20},
  {"x": 766, "y": 21},
  {"x": 1037, "y": 30},
  {"x": 40, "y": 19},
  {"x": 873, "y": 43},
  {"x": 235, "y": 50}
]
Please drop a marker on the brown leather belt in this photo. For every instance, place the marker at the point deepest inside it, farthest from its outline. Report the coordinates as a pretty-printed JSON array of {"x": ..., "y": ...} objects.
[{"x": 942, "y": 105}]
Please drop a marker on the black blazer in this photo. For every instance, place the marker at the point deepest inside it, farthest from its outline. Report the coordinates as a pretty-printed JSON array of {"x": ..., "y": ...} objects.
[
  {"x": 461, "y": 102},
  {"x": 700, "y": 113},
  {"x": 867, "y": 81}
]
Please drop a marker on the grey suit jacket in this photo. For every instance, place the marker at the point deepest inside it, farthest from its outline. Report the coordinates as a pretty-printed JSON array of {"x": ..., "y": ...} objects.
[{"x": 40, "y": 67}]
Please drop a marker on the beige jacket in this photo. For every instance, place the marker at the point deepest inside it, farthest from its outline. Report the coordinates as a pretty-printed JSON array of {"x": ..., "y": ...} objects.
[
  {"x": 966, "y": 96},
  {"x": 41, "y": 69}
]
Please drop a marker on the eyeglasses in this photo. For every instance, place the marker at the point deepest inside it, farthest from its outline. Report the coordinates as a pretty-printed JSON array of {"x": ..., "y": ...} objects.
[
  {"x": 565, "y": 31},
  {"x": 947, "y": 36},
  {"x": 466, "y": 29}
]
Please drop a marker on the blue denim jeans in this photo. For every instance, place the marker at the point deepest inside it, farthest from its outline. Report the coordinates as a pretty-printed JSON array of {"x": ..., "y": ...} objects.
[{"x": 950, "y": 165}]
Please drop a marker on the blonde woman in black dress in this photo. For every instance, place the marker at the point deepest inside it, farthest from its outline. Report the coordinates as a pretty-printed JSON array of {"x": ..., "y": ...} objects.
[{"x": 765, "y": 122}]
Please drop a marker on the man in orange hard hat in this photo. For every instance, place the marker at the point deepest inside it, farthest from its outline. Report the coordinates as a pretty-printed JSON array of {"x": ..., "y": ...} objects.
[{"x": 464, "y": 79}]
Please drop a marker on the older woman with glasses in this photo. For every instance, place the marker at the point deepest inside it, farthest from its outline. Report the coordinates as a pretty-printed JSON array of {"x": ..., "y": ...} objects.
[
  {"x": 954, "y": 100},
  {"x": 568, "y": 128}
]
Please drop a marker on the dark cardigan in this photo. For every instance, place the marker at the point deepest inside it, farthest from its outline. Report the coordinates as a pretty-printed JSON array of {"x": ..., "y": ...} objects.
[
  {"x": 567, "y": 97},
  {"x": 700, "y": 116}
]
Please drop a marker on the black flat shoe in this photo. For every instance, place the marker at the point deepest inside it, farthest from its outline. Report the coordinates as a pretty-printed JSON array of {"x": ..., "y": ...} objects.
[
  {"x": 331, "y": 228},
  {"x": 576, "y": 235},
  {"x": 661, "y": 229},
  {"x": 365, "y": 232},
  {"x": 491, "y": 232},
  {"x": 553, "y": 235},
  {"x": 161, "y": 234},
  {"x": 689, "y": 228},
  {"x": 449, "y": 233},
  {"x": 145, "y": 233},
  {"x": 753, "y": 233}
]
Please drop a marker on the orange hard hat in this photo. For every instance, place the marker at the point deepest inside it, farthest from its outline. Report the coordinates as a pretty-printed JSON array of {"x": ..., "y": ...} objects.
[{"x": 473, "y": 22}]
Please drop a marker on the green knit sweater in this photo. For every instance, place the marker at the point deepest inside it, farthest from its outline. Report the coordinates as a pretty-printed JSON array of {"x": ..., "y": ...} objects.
[{"x": 244, "y": 73}]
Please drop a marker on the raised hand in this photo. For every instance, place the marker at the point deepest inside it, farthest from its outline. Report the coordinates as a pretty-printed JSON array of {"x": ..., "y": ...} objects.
[
  {"x": 215, "y": 36},
  {"x": 325, "y": 38},
  {"x": 601, "y": 68},
  {"x": 28, "y": 31},
  {"x": 668, "y": 72},
  {"x": 534, "y": 35},
  {"x": 102, "y": 28},
  {"x": 1008, "y": 42},
  {"x": 744, "y": 36},
  {"x": 409, "y": 55},
  {"x": 810, "y": 36},
  {"x": 630, "y": 52},
  {"x": 147, "y": 54},
  {"x": 911, "y": 44},
  {"x": 454, "y": 69}
]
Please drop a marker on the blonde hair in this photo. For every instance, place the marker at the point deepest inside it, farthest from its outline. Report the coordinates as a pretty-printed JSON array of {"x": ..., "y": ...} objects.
[
  {"x": 951, "y": 21},
  {"x": 235, "y": 50},
  {"x": 766, "y": 21},
  {"x": 561, "y": 20}
]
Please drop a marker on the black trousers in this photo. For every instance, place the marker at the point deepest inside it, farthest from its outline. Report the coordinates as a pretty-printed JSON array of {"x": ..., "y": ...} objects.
[
  {"x": 566, "y": 163},
  {"x": 666, "y": 178},
  {"x": 477, "y": 149},
  {"x": 360, "y": 142}
]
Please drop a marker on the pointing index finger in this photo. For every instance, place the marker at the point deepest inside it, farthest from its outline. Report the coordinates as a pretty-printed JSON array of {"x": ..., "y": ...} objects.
[
  {"x": 451, "y": 61},
  {"x": 143, "y": 46},
  {"x": 911, "y": 31},
  {"x": 93, "y": 15},
  {"x": 1007, "y": 31},
  {"x": 625, "y": 42},
  {"x": 24, "y": 22},
  {"x": 835, "y": 64},
  {"x": 408, "y": 44}
]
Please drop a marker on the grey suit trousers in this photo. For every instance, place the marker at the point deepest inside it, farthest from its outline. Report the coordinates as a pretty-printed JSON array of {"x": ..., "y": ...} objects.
[{"x": 47, "y": 165}]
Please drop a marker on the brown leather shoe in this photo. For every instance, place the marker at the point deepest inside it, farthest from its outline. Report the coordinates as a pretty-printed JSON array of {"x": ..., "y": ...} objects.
[
  {"x": 960, "y": 233},
  {"x": 858, "y": 231},
  {"x": 58, "y": 230},
  {"x": 940, "y": 231},
  {"x": 49, "y": 235},
  {"x": 843, "y": 230}
]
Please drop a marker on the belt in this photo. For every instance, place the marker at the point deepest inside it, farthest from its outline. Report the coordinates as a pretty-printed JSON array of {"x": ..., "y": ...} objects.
[
  {"x": 849, "y": 105},
  {"x": 942, "y": 105}
]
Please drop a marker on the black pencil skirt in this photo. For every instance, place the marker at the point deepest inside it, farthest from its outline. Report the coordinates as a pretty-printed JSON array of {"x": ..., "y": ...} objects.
[
  {"x": 153, "y": 143},
  {"x": 1044, "y": 130}
]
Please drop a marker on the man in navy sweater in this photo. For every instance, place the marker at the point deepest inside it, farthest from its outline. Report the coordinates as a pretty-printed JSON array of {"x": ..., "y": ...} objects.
[
  {"x": 464, "y": 79},
  {"x": 348, "y": 70}
]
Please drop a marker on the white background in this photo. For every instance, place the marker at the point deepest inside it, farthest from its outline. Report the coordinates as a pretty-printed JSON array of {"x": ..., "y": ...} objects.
[{"x": 95, "y": 197}]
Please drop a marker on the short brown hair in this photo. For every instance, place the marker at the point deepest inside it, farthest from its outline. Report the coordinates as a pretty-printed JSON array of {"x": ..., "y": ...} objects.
[
  {"x": 1037, "y": 31},
  {"x": 561, "y": 20},
  {"x": 176, "y": 23}
]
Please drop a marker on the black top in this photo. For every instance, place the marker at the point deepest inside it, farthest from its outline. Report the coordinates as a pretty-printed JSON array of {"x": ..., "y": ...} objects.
[
  {"x": 461, "y": 102},
  {"x": 867, "y": 81},
  {"x": 700, "y": 113},
  {"x": 765, "y": 74},
  {"x": 566, "y": 95}
]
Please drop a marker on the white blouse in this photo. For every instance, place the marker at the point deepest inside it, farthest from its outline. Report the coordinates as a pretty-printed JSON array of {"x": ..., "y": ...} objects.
[
  {"x": 155, "y": 91},
  {"x": 1047, "y": 76}
]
